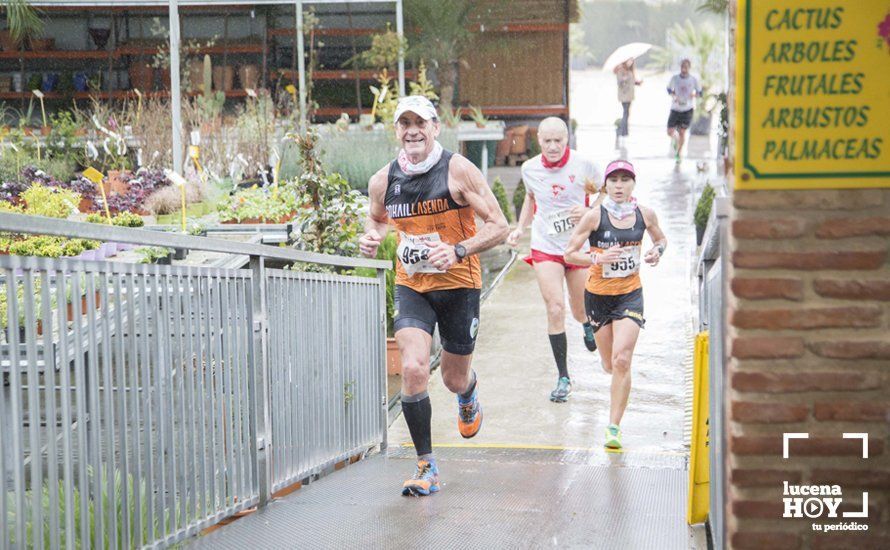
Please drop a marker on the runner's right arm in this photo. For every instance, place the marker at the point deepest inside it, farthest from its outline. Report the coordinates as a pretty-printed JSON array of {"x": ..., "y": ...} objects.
[
  {"x": 525, "y": 219},
  {"x": 376, "y": 225}
]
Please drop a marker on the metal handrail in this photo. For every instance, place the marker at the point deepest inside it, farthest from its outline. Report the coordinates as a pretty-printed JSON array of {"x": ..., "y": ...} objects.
[{"x": 39, "y": 225}]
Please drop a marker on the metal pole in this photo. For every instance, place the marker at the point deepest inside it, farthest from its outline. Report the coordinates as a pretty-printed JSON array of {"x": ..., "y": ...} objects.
[
  {"x": 301, "y": 64},
  {"x": 717, "y": 422},
  {"x": 259, "y": 377},
  {"x": 381, "y": 361},
  {"x": 400, "y": 30},
  {"x": 175, "y": 99}
]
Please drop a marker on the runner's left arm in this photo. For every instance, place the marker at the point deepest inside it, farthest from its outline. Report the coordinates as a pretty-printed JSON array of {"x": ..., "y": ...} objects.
[
  {"x": 471, "y": 188},
  {"x": 659, "y": 241}
]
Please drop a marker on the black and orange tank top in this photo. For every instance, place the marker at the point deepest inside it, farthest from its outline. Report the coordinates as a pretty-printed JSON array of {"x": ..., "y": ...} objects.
[
  {"x": 622, "y": 276},
  {"x": 424, "y": 212}
]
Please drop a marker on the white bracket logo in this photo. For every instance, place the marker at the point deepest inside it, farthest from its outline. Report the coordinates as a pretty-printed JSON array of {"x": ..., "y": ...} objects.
[{"x": 812, "y": 507}]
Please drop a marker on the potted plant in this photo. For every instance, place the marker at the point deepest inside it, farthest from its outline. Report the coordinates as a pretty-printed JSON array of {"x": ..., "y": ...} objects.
[
  {"x": 387, "y": 251},
  {"x": 23, "y": 22},
  {"x": 155, "y": 255},
  {"x": 451, "y": 118},
  {"x": 703, "y": 212},
  {"x": 478, "y": 117}
]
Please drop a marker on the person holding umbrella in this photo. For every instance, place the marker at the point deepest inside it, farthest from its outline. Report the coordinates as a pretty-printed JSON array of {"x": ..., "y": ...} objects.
[
  {"x": 626, "y": 75},
  {"x": 621, "y": 62}
]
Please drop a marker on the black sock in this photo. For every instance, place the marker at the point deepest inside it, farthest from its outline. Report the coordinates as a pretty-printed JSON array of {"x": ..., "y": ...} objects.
[
  {"x": 418, "y": 413},
  {"x": 469, "y": 393},
  {"x": 559, "y": 345}
]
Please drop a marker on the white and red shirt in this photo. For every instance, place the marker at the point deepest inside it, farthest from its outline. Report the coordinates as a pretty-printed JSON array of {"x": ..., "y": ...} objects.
[{"x": 557, "y": 188}]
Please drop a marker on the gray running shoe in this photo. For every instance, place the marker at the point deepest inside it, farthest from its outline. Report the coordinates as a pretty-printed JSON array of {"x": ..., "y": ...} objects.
[{"x": 562, "y": 391}]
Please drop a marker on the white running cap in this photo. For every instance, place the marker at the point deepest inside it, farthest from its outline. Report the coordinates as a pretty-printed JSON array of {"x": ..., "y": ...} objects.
[{"x": 417, "y": 104}]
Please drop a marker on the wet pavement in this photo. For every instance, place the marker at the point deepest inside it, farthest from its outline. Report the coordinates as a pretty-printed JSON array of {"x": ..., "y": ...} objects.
[{"x": 513, "y": 357}]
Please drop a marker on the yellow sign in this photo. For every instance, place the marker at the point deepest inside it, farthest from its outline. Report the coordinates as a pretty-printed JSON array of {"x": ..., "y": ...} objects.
[
  {"x": 96, "y": 177},
  {"x": 93, "y": 175},
  {"x": 699, "y": 459},
  {"x": 812, "y": 94}
]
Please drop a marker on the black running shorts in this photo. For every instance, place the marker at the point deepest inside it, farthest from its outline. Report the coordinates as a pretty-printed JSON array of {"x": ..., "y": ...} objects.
[
  {"x": 680, "y": 119},
  {"x": 603, "y": 309},
  {"x": 456, "y": 311}
]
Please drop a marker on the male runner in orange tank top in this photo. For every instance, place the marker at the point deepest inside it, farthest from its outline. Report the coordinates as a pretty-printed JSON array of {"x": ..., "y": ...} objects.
[
  {"x": 613, "y": 296},
  {"x": 433, "y": 197}
]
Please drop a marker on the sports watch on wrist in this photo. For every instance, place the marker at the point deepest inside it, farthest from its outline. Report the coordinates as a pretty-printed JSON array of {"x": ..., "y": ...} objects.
[{"x": 460, "y": 251}]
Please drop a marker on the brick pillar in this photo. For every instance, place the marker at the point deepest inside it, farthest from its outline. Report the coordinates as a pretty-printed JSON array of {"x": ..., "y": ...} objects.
[{"x": 809, "y": 312}]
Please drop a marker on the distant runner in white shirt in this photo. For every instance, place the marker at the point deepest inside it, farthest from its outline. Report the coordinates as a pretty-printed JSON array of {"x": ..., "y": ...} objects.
[
  {"x": 684, "y": 88},
  {"x": 558, "y": 183}
]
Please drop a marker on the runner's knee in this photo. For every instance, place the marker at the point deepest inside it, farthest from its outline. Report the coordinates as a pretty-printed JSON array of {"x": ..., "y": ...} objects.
[
  {"x": 415, "y": 371},
  {"x": 556, "y": 310},
  {"x": 621, "y": 361}
]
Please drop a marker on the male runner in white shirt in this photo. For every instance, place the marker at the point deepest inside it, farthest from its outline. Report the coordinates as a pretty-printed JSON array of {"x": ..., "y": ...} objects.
[
  {"x": 683, "y": 88},
  {"x": 557, "y": 183}
]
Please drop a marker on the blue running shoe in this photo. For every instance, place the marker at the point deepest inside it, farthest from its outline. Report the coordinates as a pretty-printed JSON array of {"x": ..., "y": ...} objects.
[{"x": 425, "y": 480}]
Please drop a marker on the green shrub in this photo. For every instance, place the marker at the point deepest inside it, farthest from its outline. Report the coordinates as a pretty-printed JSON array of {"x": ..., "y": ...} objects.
[
  {"x": 73, "y": 247},
  {"x": 43, "y": 246},
  {"x": 519, "y": 197},
  {"x": 51, "y": 202},
  {"x": 127, "y": 219},
  {"x": 703, "y": 208},
  {"x": 501, "y": 195},
  {"x": 111, "y": 497},
  {"x": 386, "y": 251},
  {"x": 257, "y": 203}
]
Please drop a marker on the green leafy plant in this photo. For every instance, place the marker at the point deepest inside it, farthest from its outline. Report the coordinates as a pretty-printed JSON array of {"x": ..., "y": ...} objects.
[
  {"x": 197, "y": 229},
  {"x": 127, "y": 219},
  {"x": 497, "y": 188},
  {"x": 329, "y": 219},
  {"x": 42, "y": 246},
  {"x": 383, "y": 53},
  {"x": 444, "y": 32},
  {"x": 723, "y": 129},
  {"x": 718, "y": 7},
  {"x": 22, "y": 19},
  {"x": 703, "y": 207},
  {"x": 151, "y": 254},
  {"x": 51, "y": 202},
  {"x": 257, "y": 203},
  {"x": 110, "y": 497}
]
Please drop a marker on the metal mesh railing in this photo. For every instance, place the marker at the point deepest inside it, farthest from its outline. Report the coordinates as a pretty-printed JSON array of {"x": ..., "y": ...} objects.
[
  {"x": 324, "y": 380},
  {"x": 141, "y": 404}
]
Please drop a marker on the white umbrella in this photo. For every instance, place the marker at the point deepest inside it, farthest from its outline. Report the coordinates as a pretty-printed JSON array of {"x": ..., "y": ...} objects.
[{"x": 625, "y": 52}]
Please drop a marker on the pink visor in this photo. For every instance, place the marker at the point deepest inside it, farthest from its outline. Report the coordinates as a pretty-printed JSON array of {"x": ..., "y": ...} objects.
[{"x": 617, "y": 165}]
